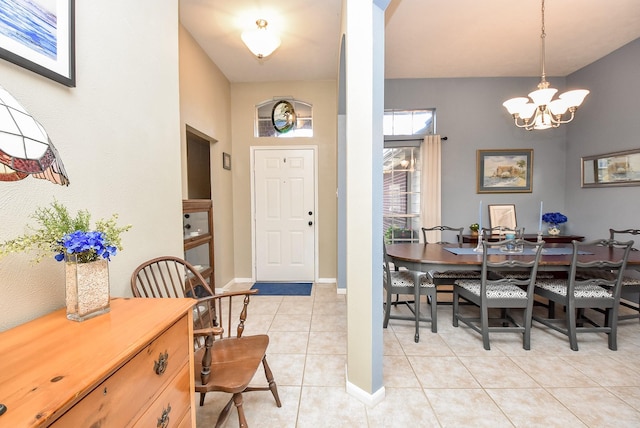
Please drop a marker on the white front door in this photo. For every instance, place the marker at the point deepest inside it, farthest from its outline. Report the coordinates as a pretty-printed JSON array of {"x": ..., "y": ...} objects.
[{"x": 284, "y": 203}]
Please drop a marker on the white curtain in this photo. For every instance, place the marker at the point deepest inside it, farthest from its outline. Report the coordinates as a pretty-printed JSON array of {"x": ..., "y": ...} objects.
[{"x": 430, "y": 187}]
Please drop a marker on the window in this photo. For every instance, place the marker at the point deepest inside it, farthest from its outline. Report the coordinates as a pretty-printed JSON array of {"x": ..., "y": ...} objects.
[
  {"x": 401, "y": 199},
  {"x": 404, "y": 131},
  {"x": 409, "y": 122},
  {"x": 304, "y": 120}
]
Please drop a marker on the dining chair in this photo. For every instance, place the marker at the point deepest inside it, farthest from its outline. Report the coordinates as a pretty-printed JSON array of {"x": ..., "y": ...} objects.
[
  {"x": 504, "y": 292},
  {"x": 443, "y": 279},
  {"x": 630, "y": 290},
  {"x": 396, "y": 282},
  {"x": 490, "y": 233},
  {"x": 225, "y": 360},
  {"x": 578, "y": 293}
]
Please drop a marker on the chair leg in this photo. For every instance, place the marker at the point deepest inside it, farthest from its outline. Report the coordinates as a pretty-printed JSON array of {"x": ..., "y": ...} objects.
[
  {"x": 242, "y": 420},
  {"x": 224, "y": 414},
  {"x": 416, "y": 307},
  {"x": 202, "y": 394},
  {"x": 272, "y": 383},
  {"x": 434, "y": 314},
  {"x": 571, "y": 327},
  {"x": 455, "y": 306},
  {"x": 613, "y": 324},
  {"x": 387, "y": 310},
  {"x": 526, "y": 339},
  {"x": 484, "y": 324}
]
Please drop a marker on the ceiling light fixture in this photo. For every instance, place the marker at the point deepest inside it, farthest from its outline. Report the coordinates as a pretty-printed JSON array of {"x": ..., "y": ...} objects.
[
  {"x": 25, "y": 147},
  {"x": 543, "y": 113},
  {"x": 261, "y": 41}
]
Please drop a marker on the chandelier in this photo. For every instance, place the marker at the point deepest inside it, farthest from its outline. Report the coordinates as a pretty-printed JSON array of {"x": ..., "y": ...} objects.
[
  {"x": 539, "y": 111},
  {"x": 261, "y": 41}
]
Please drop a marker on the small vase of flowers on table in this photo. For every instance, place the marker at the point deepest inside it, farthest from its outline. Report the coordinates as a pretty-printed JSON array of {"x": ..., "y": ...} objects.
[
  {"x": 554, "y": 220},
  {"x": 84, "y": 250}
]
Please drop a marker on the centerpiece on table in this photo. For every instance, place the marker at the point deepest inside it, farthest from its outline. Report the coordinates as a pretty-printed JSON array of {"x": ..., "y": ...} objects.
[
  {"x": 554, "y": 220},
  {"x": 85, "y": 251},
  {"x": 474, "y": 228}
]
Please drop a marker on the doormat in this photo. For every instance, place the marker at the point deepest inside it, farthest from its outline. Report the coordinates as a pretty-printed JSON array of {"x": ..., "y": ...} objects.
[{"x": 283, "y": 288}]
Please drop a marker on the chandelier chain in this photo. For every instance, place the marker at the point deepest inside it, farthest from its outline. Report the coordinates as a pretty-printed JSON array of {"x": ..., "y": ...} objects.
[
  {"x": 539, "y": 110},
  {"x": 543, "y": 82}
]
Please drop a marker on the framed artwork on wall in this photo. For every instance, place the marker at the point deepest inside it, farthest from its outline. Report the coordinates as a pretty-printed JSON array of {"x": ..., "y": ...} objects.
[
  {"x": 504, "y": 171},
  {"x": 226, "y": 160},
  {"x": 39, "y": 35},
  {"x": 612, "y": 169}
]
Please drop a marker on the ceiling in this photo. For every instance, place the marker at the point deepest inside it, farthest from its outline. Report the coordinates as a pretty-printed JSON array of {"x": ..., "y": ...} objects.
[{"x": 423, "y": 38}]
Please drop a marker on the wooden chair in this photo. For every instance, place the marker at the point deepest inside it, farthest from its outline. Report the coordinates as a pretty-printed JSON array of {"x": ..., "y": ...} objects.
[
  {"x": 404, "y": 282},
  {"x": 224, "y": 359},
  {"x": 577, "y": 294},
  {"x": 506, "y": 292}
]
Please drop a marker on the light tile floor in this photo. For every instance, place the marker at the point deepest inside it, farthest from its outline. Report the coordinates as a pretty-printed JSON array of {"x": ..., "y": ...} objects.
[{"x": 445, "y": 380}]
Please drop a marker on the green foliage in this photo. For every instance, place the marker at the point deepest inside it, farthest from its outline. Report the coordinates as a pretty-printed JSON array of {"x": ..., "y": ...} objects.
[
  {"x": 54, "y": 222},
  {"x": 474, "y": 227}
]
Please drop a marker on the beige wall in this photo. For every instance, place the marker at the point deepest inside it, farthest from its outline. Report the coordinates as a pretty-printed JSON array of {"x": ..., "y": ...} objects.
[
  {"x": 117, "y": 133},
  {"x": 322, "y": 95},
  {"x": 205, "y": 104}
]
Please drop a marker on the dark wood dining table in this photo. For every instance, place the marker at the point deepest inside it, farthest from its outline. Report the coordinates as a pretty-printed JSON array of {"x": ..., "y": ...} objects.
[{"x": 426, "y": 257}]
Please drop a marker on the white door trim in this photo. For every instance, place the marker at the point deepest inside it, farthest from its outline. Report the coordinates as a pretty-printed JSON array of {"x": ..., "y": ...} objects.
[{"x": 253, "y": 149}]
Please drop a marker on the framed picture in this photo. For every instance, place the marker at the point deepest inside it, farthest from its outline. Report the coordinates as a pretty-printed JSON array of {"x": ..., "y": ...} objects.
[
  {"x": 39, "y": 35},
  {"x": 612, "y": 169},
  {"x": 503, "y": 215},
  {"x": 226, "y": 160},
  {"x": 504, "y": 171}
]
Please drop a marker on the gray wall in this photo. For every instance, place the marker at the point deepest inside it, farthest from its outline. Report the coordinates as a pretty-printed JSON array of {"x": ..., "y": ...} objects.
[
  {"x": 469, "y": 112},
  {"x": 608, "y": 122}
]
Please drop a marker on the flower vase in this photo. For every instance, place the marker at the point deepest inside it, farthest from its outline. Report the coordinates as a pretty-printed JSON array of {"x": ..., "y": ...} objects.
[
  {"x": 87, "y": 289},
  {"x": 553, "y": 230}
]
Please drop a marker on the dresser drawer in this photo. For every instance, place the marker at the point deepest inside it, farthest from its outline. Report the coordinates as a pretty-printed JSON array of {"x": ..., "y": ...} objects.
[
  {"x": 124, "y": 396},
  {"x": 174, "y": 402}
]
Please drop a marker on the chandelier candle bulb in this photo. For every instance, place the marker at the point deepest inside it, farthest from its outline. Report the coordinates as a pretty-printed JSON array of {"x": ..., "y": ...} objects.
[{"x": 480, "y": 216}]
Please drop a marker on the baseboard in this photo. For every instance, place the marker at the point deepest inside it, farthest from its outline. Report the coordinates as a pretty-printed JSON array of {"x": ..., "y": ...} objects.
[
  {"x": 326, "y": 281},
  {"x": 371, "y": 400},
  {"x": 341, "y": 291}
]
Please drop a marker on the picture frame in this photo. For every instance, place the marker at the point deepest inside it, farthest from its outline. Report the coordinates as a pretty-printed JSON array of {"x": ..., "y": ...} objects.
[
  {"x": 53, "y": 54},
  {"x": 504, "y": 171},
  {"x": 226, "y": 161},
  {"x": 502, "y": 215},
  {"x": 611, "y": 169}
]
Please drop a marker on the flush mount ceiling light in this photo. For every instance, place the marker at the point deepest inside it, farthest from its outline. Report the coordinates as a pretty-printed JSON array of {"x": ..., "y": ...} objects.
[
  {"x": 542, "y": 112},
  {"x": 261, "y": 41}
]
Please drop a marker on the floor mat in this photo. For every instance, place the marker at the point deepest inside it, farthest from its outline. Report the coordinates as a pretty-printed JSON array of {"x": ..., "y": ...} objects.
[{"x": 283, "y": 288}]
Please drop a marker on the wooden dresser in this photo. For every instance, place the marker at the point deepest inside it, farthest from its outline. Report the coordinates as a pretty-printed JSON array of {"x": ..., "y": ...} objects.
[{"x": 130, "y": 367}]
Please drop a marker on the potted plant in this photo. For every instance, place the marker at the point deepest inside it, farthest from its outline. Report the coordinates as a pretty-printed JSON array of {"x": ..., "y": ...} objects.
[
  {"x": 474, "y": 228},
  {"x": 554, "y": 220},
  {"x": 84, "y": 250}
]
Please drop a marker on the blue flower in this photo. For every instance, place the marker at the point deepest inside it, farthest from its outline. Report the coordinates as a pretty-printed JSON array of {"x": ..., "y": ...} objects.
[
  {"x": 554, "y": 218},
  {"x": 85, "y": 247}
]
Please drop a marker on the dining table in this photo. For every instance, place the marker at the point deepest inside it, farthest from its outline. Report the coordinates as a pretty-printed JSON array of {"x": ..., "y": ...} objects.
[{"x": 444, "y": 257}]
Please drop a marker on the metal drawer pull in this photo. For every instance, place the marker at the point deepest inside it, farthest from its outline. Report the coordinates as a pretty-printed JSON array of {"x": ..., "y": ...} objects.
[
  {"x": 161, "y": 365},
  {"x": 163, "y": 421}
]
